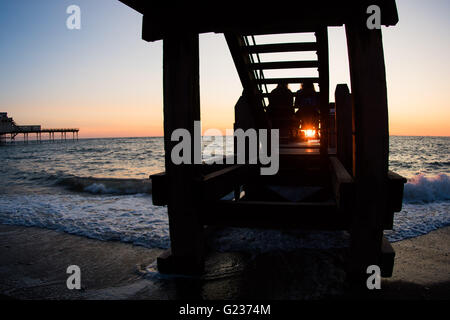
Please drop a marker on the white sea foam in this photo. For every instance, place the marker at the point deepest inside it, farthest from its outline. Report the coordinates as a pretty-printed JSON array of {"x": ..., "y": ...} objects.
[
  {"x": 106, "y": 185},
  {"x": 100, "y": 188},
  {"x": 130, "y": 218},
  {"x": 424, "y": 189},
  {"x": 419, "y": 219}
]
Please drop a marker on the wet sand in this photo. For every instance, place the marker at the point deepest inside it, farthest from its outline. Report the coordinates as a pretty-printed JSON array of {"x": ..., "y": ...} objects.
[{"x": 33, "y": 265}]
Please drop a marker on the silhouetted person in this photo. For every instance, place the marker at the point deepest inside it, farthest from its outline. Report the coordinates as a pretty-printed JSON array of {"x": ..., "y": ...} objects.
[
  {"x": 307, "y": 100},
  {"x": 281, "y": 107},
  {"x": 281, "y": 101}
]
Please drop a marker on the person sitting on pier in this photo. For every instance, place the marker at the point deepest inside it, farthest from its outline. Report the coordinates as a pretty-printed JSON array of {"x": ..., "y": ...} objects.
[
  {"x": 280, "y": 109},
  {"x": 307, "y": 100}
]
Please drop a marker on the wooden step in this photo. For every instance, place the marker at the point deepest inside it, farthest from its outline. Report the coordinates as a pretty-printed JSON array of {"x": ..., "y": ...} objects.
[
  {"x": 285, "y": 65},
  {"x": 265, "y": 214},
  {"x": 288, "y": 80},
  {"x": 387, "y": 258},
  {"x": 282, "y": 47}
]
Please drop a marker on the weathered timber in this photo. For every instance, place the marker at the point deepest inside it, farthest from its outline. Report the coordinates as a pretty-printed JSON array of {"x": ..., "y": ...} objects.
[
  {"x": 181, "y": 109},
  {"x": 254, "y": 104},
  {"x": 395, "y": 198},
  {"x": 324, "y": 85},
  {"x": 344, "y": 139},
  {"x": 387, "y": 258},
  {"x": 282, "y": 47},
  {"x": 285, "y": 65},
  {"x": 160, "y": 189},
  {"x": 162, "y": 18},
  {"x": 314, "y": 215},
  {"x": 287, "y": 80},
  {"x": 343, "y": 186},
  {"x": 368, "y": 81}
]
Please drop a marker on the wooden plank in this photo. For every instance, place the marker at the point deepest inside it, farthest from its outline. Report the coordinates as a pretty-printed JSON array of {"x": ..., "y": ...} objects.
[
  {"x": 396, "y": 185},
  {"x": 181, "y": 109},
  {"x": 287, "y": 80},
  {"x": 395, "y": 198},
  {"x": 324, "y": 85},
  {"x": 263, "y": 214},
  {"x": 222, "y": 182},
  {"x": 210, "y": 186},
  {"x": 242, "y": 61},
  {"x": 395, "y": 177},
  {"x": 368, "y": 81},
  {"x": 332, "y": 125},
  {"x": 343, "y": 186},
  {"x": 369, "y": 93},
  {"x": 282, "y": 47},
  {"x": 387, "y": 258},
  {"x": 285, "y": 65},
  {"x": 163, "y": 18},
  {"x": 344, "y": 139},
  {"x": 160, "y": 189}
]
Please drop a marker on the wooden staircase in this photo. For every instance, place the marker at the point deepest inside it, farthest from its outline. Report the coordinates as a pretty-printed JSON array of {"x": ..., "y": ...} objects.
[{"x": 246, "y": 56}]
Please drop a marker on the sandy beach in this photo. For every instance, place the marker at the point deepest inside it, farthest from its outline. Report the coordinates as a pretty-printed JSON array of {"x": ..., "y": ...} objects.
[{"x": 33, "y": 265}]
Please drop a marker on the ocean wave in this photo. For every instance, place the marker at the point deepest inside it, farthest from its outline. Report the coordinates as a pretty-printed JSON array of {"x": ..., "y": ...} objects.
[
  {"x": 423, "y": 189},
  {"x": 114, "y": 186},
  {"x": 129, "y": 219}
]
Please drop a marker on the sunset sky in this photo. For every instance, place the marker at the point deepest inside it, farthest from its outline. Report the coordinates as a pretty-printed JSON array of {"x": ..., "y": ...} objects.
[{"x": 106, "y": 81}]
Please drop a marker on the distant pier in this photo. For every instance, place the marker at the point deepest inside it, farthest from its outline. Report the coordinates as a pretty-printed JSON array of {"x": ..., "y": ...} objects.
[{"x": 9, "y": 130}]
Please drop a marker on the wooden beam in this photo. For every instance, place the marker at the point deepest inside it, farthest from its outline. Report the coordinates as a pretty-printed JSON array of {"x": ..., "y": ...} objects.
[
  {"x": 265, "y": 214},
  {"x": 368, "y": 77},
  {"x": 395, "y": 198},
  {"x": 343, "y": 186},
  {"x": 368, "y": 80},
  {"x": 344, "y": 139},
  {"x": 159, "y": 17},
  {"x": 387, "y": 258},
  {"x": 396, "y": 186},
  {"x": 217, "y": 184},
  {"x": 160, "y": 189},
  {"x": 181, "y": 109},
  {"x": 332, "y": 125},
  {"x": 324, "y": 85},
  {"x": 242, "y": 61},
  {"x": 282, "y": 47},
  {"x": 287, "y": 80},
  {"x": 285, "y": 65}
]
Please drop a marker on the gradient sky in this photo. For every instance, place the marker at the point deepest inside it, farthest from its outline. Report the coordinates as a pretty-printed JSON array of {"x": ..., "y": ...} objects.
[{"x": 108, "y": 82}]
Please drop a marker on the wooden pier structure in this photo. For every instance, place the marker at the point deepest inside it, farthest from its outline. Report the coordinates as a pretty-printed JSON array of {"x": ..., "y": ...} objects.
[
  {"x": 9, "y": 129},
  {"x": 342, "y": 182},
  {"x": 51, "y": 134}
]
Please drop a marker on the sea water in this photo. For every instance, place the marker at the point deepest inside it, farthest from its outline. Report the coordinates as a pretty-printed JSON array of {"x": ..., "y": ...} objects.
[{"x": 100, "y": 188}]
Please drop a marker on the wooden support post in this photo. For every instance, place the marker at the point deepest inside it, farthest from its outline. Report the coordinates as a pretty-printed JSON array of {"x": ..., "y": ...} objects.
[
  {"x": 332, "y": 125},
  {"x": 181, "y": 109},
  {"x": 344, "y": 125},
  {"x": 368, "y": 80},
  {"x": 324, "y": 85}
]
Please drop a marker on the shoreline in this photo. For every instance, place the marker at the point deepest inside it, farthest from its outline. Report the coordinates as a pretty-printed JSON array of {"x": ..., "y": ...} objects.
[{"x": 33, "y": 265}]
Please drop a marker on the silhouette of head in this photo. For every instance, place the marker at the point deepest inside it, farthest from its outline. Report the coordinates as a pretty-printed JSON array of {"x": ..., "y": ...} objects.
[
  {"x": 308, "y": 85},
  {"x": 282, "y": 85}
]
